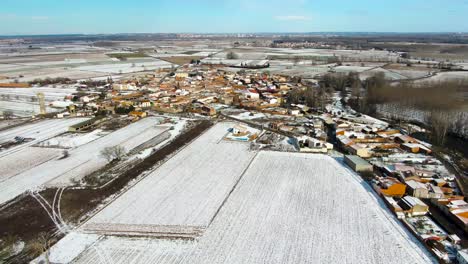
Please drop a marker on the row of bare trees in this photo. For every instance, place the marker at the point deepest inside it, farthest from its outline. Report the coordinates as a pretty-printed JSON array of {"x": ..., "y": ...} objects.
[
  {"x": 316, "y": 97},
  {"x": 442, "y": 104}
]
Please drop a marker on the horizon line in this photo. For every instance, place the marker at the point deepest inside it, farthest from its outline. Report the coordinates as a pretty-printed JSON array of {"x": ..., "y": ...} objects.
[{"x": 233, "y": 33}]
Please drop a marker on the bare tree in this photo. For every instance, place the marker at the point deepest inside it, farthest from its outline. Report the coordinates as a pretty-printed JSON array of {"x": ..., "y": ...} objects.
[
  {"x": 232, "y": 56},
  {"x": 7, "y": 114},
  {"x": 113, "y": 153},
  {"x": 440, "y": 122}
]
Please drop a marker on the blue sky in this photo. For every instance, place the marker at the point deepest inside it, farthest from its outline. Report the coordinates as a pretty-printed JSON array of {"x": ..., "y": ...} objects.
[{"x": 232, "y": 16}]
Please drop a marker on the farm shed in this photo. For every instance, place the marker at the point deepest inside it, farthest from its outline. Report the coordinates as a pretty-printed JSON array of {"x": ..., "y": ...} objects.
[
  {"x": 86, "y": 124},
  {"x": 357, "y": 164}
]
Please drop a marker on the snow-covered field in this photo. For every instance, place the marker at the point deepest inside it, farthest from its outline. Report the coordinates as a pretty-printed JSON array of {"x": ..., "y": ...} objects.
[
  {"x": 182, "y": 196},
  {"x": 302, "y": 208},
  {"x": 389, "y": 75},
  {"x": 24, "y": 102},
  {"x": 447, "y": 76},
  {"x": 81, "y": 161},
  {"x": 127, "y": 67},
  {"x": 72, "y": 140},
  {"x": 286, "y": 208},
  {"x": 24, "y": 160},
  {"x": 117, "y": 250},
  {"x": 39, "y": 131}
]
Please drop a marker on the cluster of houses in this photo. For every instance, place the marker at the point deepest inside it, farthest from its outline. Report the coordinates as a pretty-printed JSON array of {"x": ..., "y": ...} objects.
[
  {"x": 413, "y": 183},
  {"x": 403, "y": 171}
]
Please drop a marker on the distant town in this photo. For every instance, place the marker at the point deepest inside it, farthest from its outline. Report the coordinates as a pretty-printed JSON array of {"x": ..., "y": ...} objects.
[{"x": 234, "y": 148}]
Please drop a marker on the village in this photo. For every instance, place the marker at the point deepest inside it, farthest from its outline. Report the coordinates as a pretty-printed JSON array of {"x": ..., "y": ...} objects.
[{"x": 118, "y": 139}]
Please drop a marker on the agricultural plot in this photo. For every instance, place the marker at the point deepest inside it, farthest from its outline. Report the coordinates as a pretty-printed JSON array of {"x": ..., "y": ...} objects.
[
  {"x": 71, "y": 140},
  {"x": 283, "y": 210},
  {"x": 182, "y": 196},
  {"x": 119, "y": 68},
  {"x": 121, "y": 250},
  {"x": 70, "y": 247},
  {"x": 81, "y": 161},
  {"x": 346, "y": 69},
  {"x": 30, "y": 74},
  {"x": 447, "y": 76},
  {"x": 299, "y": 208},
  {"x": 24, "y": 160},
  {"x": 37, "y": 131},
  {"x": 389, "y": 75},
  {"x": 24, "y": 102},
  {"x": 4, "y": 124}
]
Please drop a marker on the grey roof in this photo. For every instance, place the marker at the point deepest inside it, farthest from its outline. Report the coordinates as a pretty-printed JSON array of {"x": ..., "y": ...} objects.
[{"x": 358, "y": 160}]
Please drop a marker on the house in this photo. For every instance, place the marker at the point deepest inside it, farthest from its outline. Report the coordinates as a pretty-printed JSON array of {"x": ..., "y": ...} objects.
[
  {"x": 208, "y": 111},
  {"x": 239, "y": 130},
  {"x": 389, "y": 186},
  {"x": 138, "y": 114},
  {"x": 359, "y": 150},
  {"x": 459, "y": 212},
  {"x": 413, "y": 206},
  {"x": 436, "y": 192},
  {"x": 181, "y": 75},
  {"x": 405, "y": 139},
  {"x": 86, "y": 99},
  {"x": 309, "y": 144},
  {"x": 393, "y": 205},
  {"x": 251, "y": 94},
  {"x": 416, "y": 148},
  {"x": 417, "y": 189},
  {"x": 358, "y": 164},
  {"x": 294, "y": 112}
]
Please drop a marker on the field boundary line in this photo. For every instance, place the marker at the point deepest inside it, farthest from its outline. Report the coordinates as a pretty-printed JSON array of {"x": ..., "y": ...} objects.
[{"x": 234, "y": 187}]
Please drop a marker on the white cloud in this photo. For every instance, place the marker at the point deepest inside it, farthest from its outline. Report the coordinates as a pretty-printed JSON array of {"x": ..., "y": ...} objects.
[{"x": 293, "y": 18}]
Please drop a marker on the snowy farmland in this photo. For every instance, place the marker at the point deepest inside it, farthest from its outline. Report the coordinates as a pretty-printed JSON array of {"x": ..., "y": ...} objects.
[
  {"x": 23, "y": 102},
  {"x": 285, "y": 209},
  {"x": 72, "y": 140},
  {"x": 38, "y": 131},
  {"x": 181, "y": 197},
  {"x": 295, "y": 208},
  {"x": 24, "y": 160},
  {"x": 81, "y": 161},
  {"x": 127, "y": 67}
]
